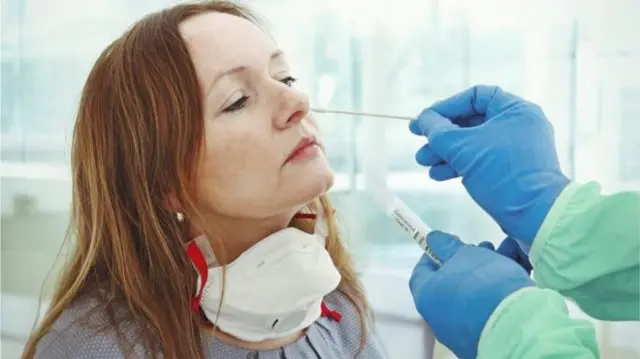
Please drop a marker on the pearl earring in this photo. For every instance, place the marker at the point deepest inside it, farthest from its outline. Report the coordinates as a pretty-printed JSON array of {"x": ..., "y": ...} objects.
[{"x": 179, "y": 216}]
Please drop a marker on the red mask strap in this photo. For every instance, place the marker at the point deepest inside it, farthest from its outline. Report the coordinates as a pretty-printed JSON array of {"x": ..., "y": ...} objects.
[
  {"x": 331, "y": 314},
  {"x": 194, "y": 252},
  {"x": 301, "y": 215}
]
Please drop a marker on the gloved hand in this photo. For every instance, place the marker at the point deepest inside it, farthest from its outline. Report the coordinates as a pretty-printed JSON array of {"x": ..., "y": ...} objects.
[
  {"x": 510, "y": 248},
  {"x": 457, "y": 298},
  {"x": 503, "y": 148}
]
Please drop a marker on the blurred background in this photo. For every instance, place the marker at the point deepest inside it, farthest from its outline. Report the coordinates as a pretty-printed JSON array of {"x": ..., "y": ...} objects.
[{"x": 579, "y": 59}]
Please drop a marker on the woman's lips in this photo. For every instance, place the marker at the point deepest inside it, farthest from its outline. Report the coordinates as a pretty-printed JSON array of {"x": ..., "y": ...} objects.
[{"x": 305, "y": 149}]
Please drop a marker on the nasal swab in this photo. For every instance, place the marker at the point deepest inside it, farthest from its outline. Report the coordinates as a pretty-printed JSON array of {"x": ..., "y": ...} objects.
[
  {"x": 407, "y": 219},
  {"x": 367, "y": 114},
  {"x": 392, "y": 205}
]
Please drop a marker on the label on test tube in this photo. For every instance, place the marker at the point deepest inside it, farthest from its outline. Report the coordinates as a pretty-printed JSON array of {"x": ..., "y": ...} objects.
[{"x": 407, "y": 219}]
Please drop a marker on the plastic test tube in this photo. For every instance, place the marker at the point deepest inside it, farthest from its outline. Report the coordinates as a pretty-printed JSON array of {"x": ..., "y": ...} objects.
[{"x": 407, "y": 219}]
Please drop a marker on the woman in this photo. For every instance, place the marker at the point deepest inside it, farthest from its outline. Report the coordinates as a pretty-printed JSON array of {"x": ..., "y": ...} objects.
[{"x": 192, "y": 150}]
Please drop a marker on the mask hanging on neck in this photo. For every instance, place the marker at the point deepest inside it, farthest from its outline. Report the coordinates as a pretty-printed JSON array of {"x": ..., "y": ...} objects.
[{"x": 273, "y": 289}]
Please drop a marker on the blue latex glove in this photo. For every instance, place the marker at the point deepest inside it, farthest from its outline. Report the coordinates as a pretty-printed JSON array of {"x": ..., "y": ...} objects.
[
  {"x": 457, "y": 299},
  {"x": 503, "y": 148},
  {"x": 512, "y": 249}
]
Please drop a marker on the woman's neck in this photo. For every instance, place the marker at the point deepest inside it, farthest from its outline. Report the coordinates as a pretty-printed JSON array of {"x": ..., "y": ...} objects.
[{"x": 237, "y": 235}]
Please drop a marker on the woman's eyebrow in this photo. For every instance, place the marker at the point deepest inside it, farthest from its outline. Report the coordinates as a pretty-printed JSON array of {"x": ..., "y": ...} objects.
[{"x": 277, "y": 54}]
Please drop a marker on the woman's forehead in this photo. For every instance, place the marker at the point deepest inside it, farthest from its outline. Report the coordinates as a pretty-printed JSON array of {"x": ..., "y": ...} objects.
[{"x": 219, "y": 42}]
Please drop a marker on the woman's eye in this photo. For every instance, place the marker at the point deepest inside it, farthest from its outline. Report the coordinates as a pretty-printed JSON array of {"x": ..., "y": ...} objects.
[
  {"x": 289, "y": 81},
  {"x": 237, "y": 105}
]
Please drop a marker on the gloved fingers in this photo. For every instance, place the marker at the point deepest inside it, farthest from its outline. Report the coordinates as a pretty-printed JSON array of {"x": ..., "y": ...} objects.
[
  {"x": 442, "y": 172},
  {"x": 444, "y": 245},
  {"x": 426, "y": 263},
  {"x": 470, "y": 102},
  {"x": 511, "y": 248},
  {"x": 525, "y": 247},
  {"x": 471, "y": 121},
  {"x": 422, "y": 273},
  {"x": 430, "y": 123},
  {"x": 426, "y": 157},
  {"x": 508, "y": 248},
  {"x": 523, "y": 258},
  {"x": 488, "y": 245},
  {"x": 526, "y": 264},
  {"x": 478, "y": 100}
]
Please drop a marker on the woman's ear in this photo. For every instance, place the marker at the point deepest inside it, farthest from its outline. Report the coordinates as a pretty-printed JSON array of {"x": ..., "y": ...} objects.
[{"x": 172, "y": 204}]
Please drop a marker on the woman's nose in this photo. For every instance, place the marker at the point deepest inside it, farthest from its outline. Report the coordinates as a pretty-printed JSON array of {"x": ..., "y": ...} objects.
[{"x": 293, "y": 108}]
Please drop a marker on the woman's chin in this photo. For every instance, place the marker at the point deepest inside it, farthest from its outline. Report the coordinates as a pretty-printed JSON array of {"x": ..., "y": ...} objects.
[
  {"x": 325, "y": 181},
  {"x": 310, "y": 187}
]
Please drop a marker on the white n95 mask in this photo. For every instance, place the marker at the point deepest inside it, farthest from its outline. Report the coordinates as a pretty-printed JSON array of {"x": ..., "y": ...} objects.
[{"x": 273, "y": 289}]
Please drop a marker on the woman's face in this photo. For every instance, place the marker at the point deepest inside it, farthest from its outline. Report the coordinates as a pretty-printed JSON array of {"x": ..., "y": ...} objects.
[{"x": 263, "y": 156}]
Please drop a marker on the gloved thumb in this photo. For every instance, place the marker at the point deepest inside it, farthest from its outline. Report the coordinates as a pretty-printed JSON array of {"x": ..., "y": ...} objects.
[
  {"x": 443, "y": 245},
  {"x": 509, "y": 248},
  {"x": 512, "y": 248},
  {"x": 429, "y": 123}
]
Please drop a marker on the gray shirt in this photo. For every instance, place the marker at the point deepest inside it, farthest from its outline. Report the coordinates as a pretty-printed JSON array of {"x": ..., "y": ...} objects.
[{"x": 73, "y": 337}]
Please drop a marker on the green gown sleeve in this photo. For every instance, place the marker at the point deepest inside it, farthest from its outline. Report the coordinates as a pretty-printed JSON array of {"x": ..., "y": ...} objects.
[
  {"x": 588, "y": 249},
  {"x": 534, "y": 323}
]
